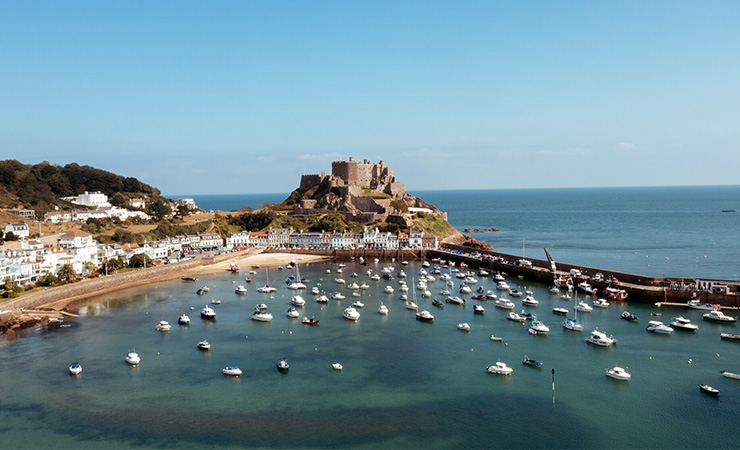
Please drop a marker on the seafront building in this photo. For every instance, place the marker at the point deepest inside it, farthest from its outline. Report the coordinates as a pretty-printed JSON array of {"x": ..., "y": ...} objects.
[{"x": 34, "y": 260}]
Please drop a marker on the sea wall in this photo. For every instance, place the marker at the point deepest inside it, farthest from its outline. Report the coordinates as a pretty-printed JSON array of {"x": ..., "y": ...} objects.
[{"x": 89, "y": 287}]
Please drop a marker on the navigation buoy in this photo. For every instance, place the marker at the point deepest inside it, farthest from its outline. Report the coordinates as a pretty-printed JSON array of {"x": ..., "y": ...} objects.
[
  {"x": 689, "y": 360},
  {"x": 506, "y": 344},
  {"x": 471, "y": 349},
  {"x": 717, "y": 355}
]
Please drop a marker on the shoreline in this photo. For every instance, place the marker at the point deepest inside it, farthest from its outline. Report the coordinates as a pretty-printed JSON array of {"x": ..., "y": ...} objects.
[{"x": 31, "y": 309}]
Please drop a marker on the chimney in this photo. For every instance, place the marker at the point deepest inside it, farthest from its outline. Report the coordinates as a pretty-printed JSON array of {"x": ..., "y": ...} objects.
[{"x": 351, "y": 159}]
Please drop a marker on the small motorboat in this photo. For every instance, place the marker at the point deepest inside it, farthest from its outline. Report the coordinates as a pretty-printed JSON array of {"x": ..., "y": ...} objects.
[
  {"x": 600, "y": 303},
  {"x": 216, "y": 302},
  {"x": 267, "y": 289},
  {"x": 730, "y": 337},
  {"x": 133, "y": 358},
  {"x": 515, "y": 293},
  {"x": 183, "y": 319},
  {"x": 554, "y": 289},
  {"x": 424, "y": 316},
  {"x": 204, "y": 345},
  {"x": 478, "y": 309},
  {"x": 438, "y": 303},
  {"x": 282, "y": 365},
  {"x": 297, "y": 300},
  {"x": 189, "y": 279},
  {"x": 207, "y": 313},
  {"x": 232, "y": 371},
  {"x": 315, "y": 290},
  {"x": 618, "y": 373},
  {"x": 529, "y": 301},
  {"x": 358, "y": 304},
  {"x": 479, "y": 297},
  {"x": 531, "y": 362},
  {"x": 337, "y": 366},
  {"x": 727, "y": 374},
  {"x": 351, "y": 314},
  {"x": 383, "y": 309},
  {"x": 75, "y": 369},
  {"x": 338, "y": 296},
  {"x": 695, "y": 304},
  {"x": 322, "y": 299},
  {"x": 262, "y": 316},
  {"x": 561, "y": 311},
  {"x": 629, "y": 316},
  {"x": 463, "y": 326},
  {"x": 292, "y": 313},
  {"x": 241, "y": 290},
  {"x": 718, "y": 316},
  {"x": 659, "y": 327},
  {"x": 709, "y": 389},
  {"x": 260, "y": 307},
  {"x": 600, "y": 338},
  {"x": 496, "y": 338},
  {"x": 499, "y": 369},
  {"x": 583, "y": 307},
  {"x": 310, "y": 321},
  {"x": 527, "y": 315},
  {"x": 681, "y": 323},
  {"x": 516, "y": 317},
  {"x": 412, "y": 305},
  {"x": 163, "y": 325},
  {"x": 455, "y": 300},
  {"x": 504, "y": 303},
  {"x": 539, "y": 327}
]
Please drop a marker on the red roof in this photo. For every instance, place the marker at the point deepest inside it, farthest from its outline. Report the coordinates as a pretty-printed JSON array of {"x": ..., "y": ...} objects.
[{"x": 75, "y": 233}]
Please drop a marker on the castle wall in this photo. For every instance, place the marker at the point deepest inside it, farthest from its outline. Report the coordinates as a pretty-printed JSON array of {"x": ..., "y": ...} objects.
[{"x": 309, "y": 181}]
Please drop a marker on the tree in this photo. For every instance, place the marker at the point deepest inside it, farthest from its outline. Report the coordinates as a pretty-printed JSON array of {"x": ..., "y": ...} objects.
[
  {"x": 118, "y": 199},
  {"x": 67, "y": 272},
  {"x": 140, "y": 260},
  {"x": 159, "y": 209},
  {"x": 10, "y": 288},
  {"x": 182, "y": 211},
  {"x": 49, "y": 280},
  {"x": 10, "y": 236},
  {"x": 89, "y": 267}
]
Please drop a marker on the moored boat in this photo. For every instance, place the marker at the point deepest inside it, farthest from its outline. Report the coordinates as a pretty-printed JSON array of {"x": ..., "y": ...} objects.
[
  {"x": 133, "y": 358},
  {"x": 204, "y": 345},
  {"x": 727, "y": 374},
  {"x": 618, "y": 373},
  {"x": 310, "y": 321},
  {"x": 163, "y": 325},
  {"x": 424, "y": 316},
  {"x": 709, "y": 389},
  {"x": 681, "y": 323},
  {"x": 463, "y": 326},
  {"x": 183, "y": 319},
  {"x": 207, "y": 313},
  {"x": 531, "y": 362},
  {"x": 232, "y": 371},
  {"x": 351, "y": 314},
  {"x": 659, "y": 327},
  {"x": 629, "y": 316},
  {"x": 75, "y": 369},
  {"x": 561, "y": 311},
  {"x": 282, "y": 365},
  {"x": 600, "y": 338},
  {"x": 500, "y": 369},
  {"x": 262, "y": 316},
  {"x": 718, "y": 316},
  {"x": 730, "y": 337},
  {"x": 695, "y": 304}
]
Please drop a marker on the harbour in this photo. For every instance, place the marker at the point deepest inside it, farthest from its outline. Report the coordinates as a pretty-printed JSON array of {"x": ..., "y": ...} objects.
[{"x": 423, "y": 383}]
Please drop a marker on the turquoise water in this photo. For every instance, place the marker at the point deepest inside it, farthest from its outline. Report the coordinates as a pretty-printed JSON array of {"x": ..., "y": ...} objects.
[
  {"x": 657, "y": 231},
  {"x": 405, "y": 384}
]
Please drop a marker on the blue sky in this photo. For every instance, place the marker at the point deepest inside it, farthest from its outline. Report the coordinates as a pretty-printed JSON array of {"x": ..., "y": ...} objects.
[{"x": 242, "y": 97}]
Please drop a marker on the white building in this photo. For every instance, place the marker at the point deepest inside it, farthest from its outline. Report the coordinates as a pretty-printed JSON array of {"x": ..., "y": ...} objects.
[
  {"x": 279, "y": 237},
  {"x": 81, "y": 247},
  {"x": 96, "y": 199},
  {"x": 20, "y": 230}
]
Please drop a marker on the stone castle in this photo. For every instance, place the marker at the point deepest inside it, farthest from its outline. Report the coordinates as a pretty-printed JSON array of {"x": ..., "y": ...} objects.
[{"x": 363, "y": 191}]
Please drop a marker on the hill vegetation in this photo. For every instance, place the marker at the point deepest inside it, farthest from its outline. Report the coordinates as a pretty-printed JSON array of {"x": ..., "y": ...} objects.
[{"x": 40, "y": 186}]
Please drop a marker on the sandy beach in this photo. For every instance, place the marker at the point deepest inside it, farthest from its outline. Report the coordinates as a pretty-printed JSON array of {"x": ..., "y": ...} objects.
[{"x": 39, "y": 306}]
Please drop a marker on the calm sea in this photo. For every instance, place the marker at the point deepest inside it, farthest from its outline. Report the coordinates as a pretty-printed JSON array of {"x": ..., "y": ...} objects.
[
  {"x": 656, "y": 231},
  {"x": 405, "y": 383}
]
